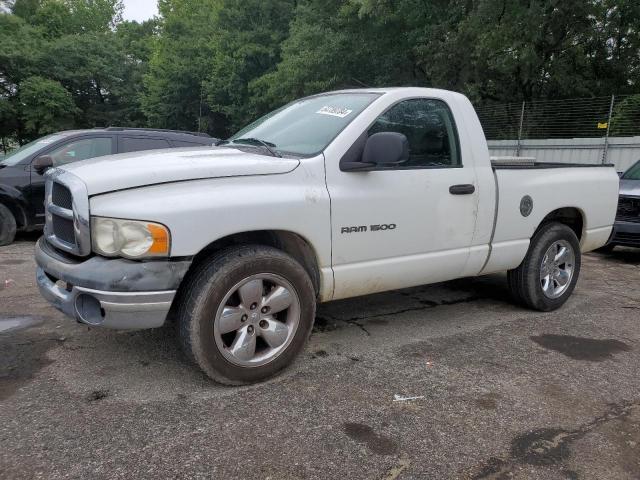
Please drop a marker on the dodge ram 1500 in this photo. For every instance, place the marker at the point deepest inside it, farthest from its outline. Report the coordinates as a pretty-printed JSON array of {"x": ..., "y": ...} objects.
[{"x": 332, "y": 196}]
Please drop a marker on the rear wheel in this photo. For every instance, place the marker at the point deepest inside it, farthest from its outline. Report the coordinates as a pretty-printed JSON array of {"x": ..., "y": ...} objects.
[
  {"x": 7, "y": 226},
  {"x": 547, "y": 276},
  {"x": 246, "y": 313}
]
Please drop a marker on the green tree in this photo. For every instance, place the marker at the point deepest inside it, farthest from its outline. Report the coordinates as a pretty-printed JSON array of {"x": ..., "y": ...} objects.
[
  {"x": 337, "y": 44},
  {"x": 180, "y": 62},
  {"x": 249, "y": 34},
  {"x": 625, "y": 120},
  {"x": 492, "y": 50},
  {"x": 8, "y": 123},
  {"x": 135, "y": 41},
  {"x": 20, "y": 50},
  {"x": 99, "y": 74},
  {"x": 76, "y": 46},
  {"x": 68, "y": 17},
  {"x": 205, "y": 59},
  {"x": 26, "y": 9},
  {"x": 46, "y": 106},
  {"x": 214, "y": 65}
]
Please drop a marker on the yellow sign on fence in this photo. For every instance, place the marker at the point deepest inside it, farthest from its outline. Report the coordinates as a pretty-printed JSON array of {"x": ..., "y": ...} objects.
[{"x": 603, "y": 125}]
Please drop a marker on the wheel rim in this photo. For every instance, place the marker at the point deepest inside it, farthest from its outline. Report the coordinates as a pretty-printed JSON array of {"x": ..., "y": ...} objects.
[
  {"x": 257, "y": 320},
  {"x": 556, "y": 270}
]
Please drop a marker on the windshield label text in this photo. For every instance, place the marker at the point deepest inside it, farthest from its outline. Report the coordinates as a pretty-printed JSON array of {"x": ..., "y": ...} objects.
[{"x": 334, "y": 111}]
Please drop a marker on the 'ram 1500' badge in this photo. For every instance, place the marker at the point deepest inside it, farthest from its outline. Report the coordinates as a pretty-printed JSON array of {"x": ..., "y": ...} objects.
[{"x": 371, "y": 228}]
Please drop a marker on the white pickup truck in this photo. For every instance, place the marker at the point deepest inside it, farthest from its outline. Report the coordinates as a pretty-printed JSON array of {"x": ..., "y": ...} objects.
[{"x": 332, "y": 196}]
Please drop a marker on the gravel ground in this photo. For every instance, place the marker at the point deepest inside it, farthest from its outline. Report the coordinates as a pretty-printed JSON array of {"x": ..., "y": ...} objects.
[{"x": 501, "y": 392}]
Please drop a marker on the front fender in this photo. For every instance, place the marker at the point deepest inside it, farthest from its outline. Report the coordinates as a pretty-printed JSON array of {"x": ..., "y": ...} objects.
[{"x": 200, "y": 212}]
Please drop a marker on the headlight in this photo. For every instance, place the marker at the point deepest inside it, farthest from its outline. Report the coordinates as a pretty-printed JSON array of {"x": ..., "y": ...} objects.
[{"x": 113, "y": 237}]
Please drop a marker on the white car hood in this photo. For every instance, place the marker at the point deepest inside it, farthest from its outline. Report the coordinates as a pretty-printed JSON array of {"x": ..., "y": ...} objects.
[{"x": 130, "y": 170}]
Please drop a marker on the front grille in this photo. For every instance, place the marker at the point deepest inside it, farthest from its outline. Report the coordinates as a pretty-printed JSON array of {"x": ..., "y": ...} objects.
[
  {"x": 63, "y": 229},
  {"x": 61, "y": 196},
  {"x": 628, "y": 210},
  {"x": 67, "y": 213},
  {"x": 62, "y": 220}
]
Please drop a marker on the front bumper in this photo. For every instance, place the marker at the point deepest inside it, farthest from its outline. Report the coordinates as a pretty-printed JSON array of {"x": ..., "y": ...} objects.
[
  {"x": 111, "y": 293},
  {"x": 626, "y": 234}
]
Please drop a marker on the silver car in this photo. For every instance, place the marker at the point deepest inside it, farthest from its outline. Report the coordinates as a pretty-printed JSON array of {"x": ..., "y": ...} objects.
[{"x": 626, "y": 231}]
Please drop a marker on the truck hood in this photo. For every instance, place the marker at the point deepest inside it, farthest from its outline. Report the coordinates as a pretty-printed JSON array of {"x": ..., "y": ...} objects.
[
  {"x": 630, "y": 187},
  {"x": 139, "y": 169}
]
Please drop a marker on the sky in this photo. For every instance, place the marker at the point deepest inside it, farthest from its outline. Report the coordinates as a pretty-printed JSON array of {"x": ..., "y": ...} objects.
[
  {"x": 140, "y": 10},
  {"x": 5, "y": 6}
]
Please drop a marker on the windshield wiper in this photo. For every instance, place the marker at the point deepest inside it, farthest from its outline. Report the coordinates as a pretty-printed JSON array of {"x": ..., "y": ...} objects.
[{"x": 262, "y": 143}]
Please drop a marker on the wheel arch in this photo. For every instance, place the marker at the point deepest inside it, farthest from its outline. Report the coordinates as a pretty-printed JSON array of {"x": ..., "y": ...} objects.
[
  {"x": 572, "y": 217},
  {"x": 289, "y": 242}
]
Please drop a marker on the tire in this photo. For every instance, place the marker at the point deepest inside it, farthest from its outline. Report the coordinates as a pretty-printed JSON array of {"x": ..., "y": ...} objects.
[
  {"x": 251, "y": 285},
  {"x": 531, "y": 285},
  {"x": 8, "y": 226}
]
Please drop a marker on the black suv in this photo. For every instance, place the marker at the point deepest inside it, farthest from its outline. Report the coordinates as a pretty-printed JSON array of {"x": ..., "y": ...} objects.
[{"x": 21, "y": 172}]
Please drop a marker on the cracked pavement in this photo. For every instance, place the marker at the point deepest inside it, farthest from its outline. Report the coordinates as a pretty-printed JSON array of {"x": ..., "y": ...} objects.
[{"x": 496, "y": 391}]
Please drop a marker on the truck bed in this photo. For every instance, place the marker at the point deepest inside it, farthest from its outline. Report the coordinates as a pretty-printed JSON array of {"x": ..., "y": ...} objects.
[{"x": 526, "y": 194}]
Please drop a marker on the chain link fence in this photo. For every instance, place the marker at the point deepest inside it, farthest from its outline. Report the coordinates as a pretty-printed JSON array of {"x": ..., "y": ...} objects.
[
  {"x": 587, "y": 122},
  {"x": 617, "y": 115}
]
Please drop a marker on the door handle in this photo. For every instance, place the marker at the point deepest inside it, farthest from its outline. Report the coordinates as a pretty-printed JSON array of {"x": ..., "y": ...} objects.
[{"x": 464, "y": 189}]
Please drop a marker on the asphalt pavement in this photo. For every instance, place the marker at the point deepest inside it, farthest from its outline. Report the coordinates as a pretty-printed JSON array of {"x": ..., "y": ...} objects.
[{"x": 444, "y": 381}]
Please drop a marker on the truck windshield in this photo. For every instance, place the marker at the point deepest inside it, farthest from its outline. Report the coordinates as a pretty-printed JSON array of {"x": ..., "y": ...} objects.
[
  {"x": 24, "y": 151},
  {"x": 633, "y": 173},
  {"x": 306, "y": 126}
]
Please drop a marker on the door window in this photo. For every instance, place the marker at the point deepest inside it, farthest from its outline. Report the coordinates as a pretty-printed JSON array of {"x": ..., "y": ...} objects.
[
  {"x": 81, "y": 150},
  {"x": 430, "y": 129},
  {"x": 136, "y": 144}
]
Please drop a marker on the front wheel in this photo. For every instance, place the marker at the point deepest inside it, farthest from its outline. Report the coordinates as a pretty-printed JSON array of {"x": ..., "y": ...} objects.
[
  {"x": 246, "y": 313},
  {"x": 547, "y": 276}
]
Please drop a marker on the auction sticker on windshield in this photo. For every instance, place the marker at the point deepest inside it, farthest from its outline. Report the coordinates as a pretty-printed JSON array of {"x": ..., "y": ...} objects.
[{"x": 334, "y": 111}]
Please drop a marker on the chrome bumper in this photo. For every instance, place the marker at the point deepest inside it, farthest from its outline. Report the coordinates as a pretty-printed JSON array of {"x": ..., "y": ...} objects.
[{"x": 61, "y": 284}]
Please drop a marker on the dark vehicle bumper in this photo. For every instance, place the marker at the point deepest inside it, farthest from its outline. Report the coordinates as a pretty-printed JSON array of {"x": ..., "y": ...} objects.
[
  {"x": 111, "y": 293},
  {"x": 626, "y": 234}
]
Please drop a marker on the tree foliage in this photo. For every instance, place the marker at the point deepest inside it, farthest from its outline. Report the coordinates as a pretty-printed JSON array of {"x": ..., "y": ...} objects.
[
  {"x": 70, "y": 63},
  {"x": 246, "y": 47},
  {"x": 180, "y": 62},
  {"x": 626, "y": 116},
  {"x": 204, "y": 60},
  {"x": 46, "y": 106},
  {"x": 213, "y": 65},
  {"x": 492, "y": 50}
]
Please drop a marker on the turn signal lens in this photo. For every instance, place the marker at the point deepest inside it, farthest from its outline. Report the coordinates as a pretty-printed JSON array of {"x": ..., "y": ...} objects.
[
  {"x": 113, "y": 237},
  {"x": 160, "y": 236}
]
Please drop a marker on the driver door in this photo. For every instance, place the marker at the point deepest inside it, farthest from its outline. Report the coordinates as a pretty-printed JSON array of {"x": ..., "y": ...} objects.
[{"x": 403, "y": 225}]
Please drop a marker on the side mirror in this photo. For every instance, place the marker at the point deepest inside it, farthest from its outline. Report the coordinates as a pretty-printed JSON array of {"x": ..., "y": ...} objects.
[
  {"x": 380, "y": 149},
  {"x": 386, "y": 148},
  {"x": 42, "y": 163}
]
